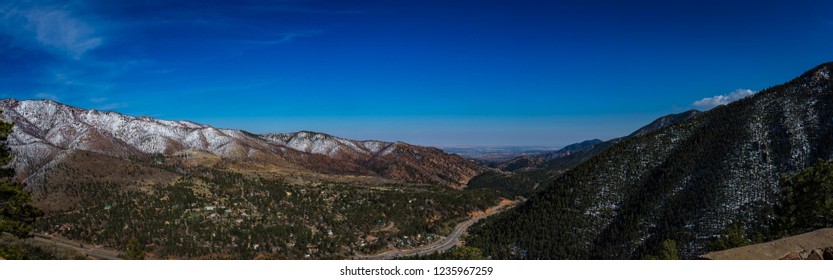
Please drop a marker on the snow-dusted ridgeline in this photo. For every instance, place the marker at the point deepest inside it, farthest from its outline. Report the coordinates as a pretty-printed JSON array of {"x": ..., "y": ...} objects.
[{"x": 46, "y": 129}]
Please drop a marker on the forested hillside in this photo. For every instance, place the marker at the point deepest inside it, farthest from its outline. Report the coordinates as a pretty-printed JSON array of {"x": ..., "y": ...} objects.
[
  {"x": 685, "y": 183},
  {"x": 211, "y": 213}
]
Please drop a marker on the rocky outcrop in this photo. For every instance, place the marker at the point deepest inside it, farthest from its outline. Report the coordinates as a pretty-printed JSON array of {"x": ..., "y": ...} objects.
[
  {"x": 816, "y": 245},
  {"x": 813, "y": 255}
]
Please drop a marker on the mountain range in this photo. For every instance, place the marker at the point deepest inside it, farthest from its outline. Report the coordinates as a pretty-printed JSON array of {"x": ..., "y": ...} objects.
[
  {"x": 685, "y": 182},
  {"x": 684, "y": 178},
  {"x": 525, "y": 175},
  {"x": 576, "y": 153},
  {"x": 48, "y": 134}
]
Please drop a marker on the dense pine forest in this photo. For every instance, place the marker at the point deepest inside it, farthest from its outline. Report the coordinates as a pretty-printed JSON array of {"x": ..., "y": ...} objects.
[{"x": 209, "y": 213}]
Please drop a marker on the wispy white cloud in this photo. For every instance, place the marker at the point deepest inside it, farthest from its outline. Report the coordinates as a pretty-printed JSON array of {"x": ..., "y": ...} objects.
[
  {"x": 45, "y": 95},
  {"x": 79, "y": 79},
  {"x": 287, "y": 37},
  {"x": 58, "y": 29},
  {"x": 98, "y": 99},
  {"x": 111, "y": 106},
  {"x": 51, "y": 28},
  {"x": 711, "y": 102},
  {"x": 303, "y": 10}
]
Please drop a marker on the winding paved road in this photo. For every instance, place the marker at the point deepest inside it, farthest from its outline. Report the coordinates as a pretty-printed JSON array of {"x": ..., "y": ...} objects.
[{"x": 441, "y": 245}]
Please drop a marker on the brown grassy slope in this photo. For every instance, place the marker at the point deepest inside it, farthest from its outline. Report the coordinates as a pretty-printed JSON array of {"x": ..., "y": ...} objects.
[{"x": 77, "y": 177}]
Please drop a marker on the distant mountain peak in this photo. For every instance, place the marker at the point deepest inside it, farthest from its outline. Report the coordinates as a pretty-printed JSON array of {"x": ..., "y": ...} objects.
[
  {"x": 664, "y": 121},
  {"x": 576, "y": 153}
]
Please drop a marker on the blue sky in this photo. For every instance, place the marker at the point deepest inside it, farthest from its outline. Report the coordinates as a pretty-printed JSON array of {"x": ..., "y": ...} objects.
[{"x": 425, "y": 72}]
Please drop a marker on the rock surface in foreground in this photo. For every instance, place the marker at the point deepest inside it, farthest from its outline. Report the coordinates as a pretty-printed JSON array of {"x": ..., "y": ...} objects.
[{"x": 815, "y": 245}]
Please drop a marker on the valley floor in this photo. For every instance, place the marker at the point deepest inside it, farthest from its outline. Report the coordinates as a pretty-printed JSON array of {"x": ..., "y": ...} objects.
[{"x": 446, "y": 242}]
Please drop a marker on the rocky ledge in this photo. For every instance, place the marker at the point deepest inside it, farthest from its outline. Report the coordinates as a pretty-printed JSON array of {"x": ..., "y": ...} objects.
[{"x": 815, "y": 245}]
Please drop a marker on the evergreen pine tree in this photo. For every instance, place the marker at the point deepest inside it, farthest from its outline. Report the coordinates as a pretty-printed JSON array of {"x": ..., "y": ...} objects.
[
  {"x": 669, "y": 250},
  {"x": 16, "y": 213},
  {"x": 134, "y": 250}
]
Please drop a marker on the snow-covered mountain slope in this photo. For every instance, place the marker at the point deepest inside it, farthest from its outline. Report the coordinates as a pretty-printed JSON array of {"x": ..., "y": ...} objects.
[
  {"x": 44, "y": 130},
  {"x": 324, "y": 144},
  {"x": 397, "y": 160}
]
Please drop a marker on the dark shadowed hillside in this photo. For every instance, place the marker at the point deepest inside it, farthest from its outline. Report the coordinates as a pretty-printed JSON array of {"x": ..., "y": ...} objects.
[
  {"x": 685, "y": 183},
  {"x": 529, "y": 174}
]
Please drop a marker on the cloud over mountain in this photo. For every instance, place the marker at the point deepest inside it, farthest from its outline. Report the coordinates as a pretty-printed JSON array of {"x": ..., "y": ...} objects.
[{"x": 717, "y": 100}]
